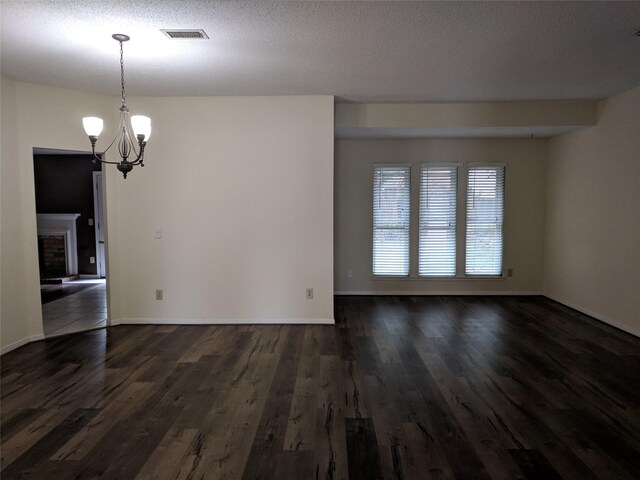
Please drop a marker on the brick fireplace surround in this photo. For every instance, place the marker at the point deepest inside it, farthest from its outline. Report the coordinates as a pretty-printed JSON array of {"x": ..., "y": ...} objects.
[
  {"x": 53, "y": 258},
  {"x": 58, "y": 239}
]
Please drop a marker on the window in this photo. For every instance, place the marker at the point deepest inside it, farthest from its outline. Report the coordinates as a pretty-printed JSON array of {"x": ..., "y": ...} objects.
[
  {"x": 437, "y": 239},
  {"x": 391, "y": 194},
  {"x": 485, "y": 218}
]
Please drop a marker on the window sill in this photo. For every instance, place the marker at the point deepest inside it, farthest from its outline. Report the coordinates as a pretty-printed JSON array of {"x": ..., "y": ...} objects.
[{"x": 472, "y": 278}]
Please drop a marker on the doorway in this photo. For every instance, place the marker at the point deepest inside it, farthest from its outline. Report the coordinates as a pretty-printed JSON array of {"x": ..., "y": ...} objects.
[
  {"x": 99, "y": 224},
  {"x": 71, "y": 241}
]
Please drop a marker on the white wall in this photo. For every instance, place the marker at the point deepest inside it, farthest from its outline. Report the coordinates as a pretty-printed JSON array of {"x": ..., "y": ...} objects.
[
  {"x": 32, "y": 116},
  {"x": 242, "y": 187},
  {"x": 593, "y": 216},
  {"x": 524, "y": 211},
  {"x": 12, "y": 276},
  {"x": 570, "y": 113}
]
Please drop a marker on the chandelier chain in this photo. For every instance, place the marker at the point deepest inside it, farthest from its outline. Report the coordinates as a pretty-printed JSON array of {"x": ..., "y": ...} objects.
[{"x": 122, "y": 72}]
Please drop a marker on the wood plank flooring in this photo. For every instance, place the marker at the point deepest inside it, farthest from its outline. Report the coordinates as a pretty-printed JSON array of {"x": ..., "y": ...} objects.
[{"x": 400, "y": 388}]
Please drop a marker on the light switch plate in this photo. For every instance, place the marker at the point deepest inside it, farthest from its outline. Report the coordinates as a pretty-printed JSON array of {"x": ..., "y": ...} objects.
[{"x": 157, "y": 232}]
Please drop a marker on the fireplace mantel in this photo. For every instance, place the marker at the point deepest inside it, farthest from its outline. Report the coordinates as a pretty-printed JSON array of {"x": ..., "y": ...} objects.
[{"x": 62, "y": 224}]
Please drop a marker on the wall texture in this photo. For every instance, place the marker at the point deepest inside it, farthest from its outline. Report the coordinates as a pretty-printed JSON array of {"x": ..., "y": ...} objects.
[
  {"x": 593, "y": 216},
  {"x": 524, "y": 211},
  {"x": 241, "y": 186},
  {"x": 14, "y": 328}
]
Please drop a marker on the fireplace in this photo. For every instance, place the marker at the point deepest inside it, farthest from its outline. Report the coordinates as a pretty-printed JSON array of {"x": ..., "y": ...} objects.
[
  {"x": 58, "y": 244},
  {"x": 53, "y": 256}
]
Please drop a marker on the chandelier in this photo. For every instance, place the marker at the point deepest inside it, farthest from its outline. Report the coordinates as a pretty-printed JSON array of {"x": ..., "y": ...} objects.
[{"x": 133, "y": 131}]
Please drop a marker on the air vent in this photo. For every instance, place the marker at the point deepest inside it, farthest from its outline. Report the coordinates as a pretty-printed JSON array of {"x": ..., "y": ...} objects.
[{"x": 182, "y": 34}]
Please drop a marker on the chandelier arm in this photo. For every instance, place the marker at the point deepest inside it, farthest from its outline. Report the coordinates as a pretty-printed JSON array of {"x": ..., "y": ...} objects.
[
  {"x": 132, "y": 144},
  {"x": 96, "y": 158},
  {"x": 140, "y": 159},
  {"x": 130, "y": 134},
  {"x": 104, "y": 161},
  {"x": 112, "y": 142},
  {"x": 115, "y": 137}
]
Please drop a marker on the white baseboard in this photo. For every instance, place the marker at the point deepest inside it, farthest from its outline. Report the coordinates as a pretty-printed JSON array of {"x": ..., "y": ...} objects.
[
  {"x": 431, "y": 293},
  {"x": 608, "y": 321},
  {"x": 21, "y": 342},
  {"x": 222, "y": 321}
]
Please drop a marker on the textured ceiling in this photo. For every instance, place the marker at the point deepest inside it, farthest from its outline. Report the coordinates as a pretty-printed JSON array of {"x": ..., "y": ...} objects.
[{"x": 360, "y": 51}]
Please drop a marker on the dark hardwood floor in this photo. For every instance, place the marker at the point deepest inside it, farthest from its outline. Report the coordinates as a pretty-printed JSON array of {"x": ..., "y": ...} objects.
[{"x": 402, "y": 387}]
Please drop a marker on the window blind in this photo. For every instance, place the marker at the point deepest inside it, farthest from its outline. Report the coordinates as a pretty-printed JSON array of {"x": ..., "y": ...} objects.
[
  {"x": 485, "y": 218},
  {"x": 437, "y": 239},
  {"x": 391, "y": 199}
]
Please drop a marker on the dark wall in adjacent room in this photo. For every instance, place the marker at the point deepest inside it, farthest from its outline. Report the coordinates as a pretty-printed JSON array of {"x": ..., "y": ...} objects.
[{"x": 64, "y": 184}]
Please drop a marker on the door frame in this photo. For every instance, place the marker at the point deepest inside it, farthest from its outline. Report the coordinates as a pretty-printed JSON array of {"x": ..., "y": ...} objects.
[{"x": 98, "y": 223}]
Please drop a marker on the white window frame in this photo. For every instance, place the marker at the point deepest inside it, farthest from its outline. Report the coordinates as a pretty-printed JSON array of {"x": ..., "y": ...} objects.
[
  {"x": 425, "y": 227},
  {"x": 498, "y": 273},
  {"x": 376, "y": 228}
]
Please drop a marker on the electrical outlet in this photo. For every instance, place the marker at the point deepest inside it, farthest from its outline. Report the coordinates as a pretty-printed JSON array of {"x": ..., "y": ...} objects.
[
  {"x": 509, "y": 272},
  {"x": 309, "y": 293},
  {"x": 350, "y": 274},
  {"x": 159, "y": 294},
  {"x": 92, "y": 259},
  {"x": 91, "y": 222}
]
